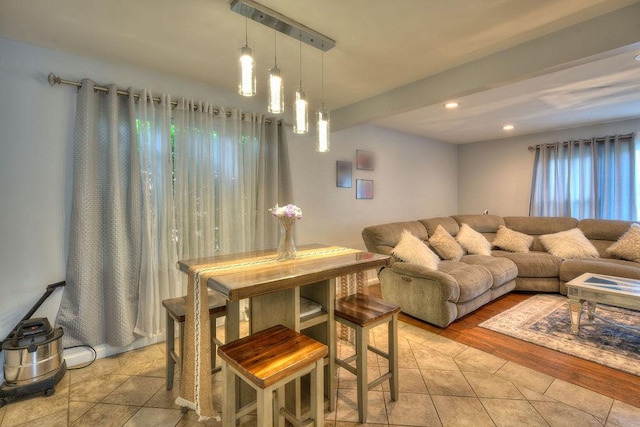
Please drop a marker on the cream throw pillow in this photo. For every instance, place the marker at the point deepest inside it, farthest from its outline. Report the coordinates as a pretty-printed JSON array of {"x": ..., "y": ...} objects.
[
  {"x": 445, "y": 245},
  {"x": 413, "y": 250},
  {"x": 511, "y": 240},
  {"x": 472, "y": 241},
  {"x": 628, "y": 245},
  {"x": 569, "y": 244}
]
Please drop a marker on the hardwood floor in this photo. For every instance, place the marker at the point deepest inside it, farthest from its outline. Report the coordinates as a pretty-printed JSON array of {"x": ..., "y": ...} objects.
[{"x": 610, "y": 382}]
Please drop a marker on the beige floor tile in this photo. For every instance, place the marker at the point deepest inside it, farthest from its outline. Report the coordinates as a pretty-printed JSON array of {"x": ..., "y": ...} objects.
[
  {"x": 97, "y": 388},
  {"x": 447, "y": 383},
  {"x": 509, "y": 413},
  {"x": 105, "y": 415},
  {"x": 416, "y": 335},
  {"x": 444, "y": 345},
  {"x": 190, "y": 419},
  {"x": 581, "y": 398},
  {"x": 77, "y": 409},
  {"x": 135, "y": 391},
  {"x": 164, "y": 398},
  {"x": 101, "y": 367},
  {"x": 148, "y": 361},
  {"x": 487, "y": 385},
  {"x": 347, "y": 407},
  {"x": 527, "y": 377},
  {"x": 623, "y": 414},
  {"x": 458, "y": 411},
  {"x": 347, "y": 380},
  {"x": 533, "y": 395},
  {"x": 30, "y": 408},
  {"x": 152, "y": 417},
  {"x": 427, "y": 358},
  {"x": 480, "y": 359},
  {"x": 465, "y": 367},
  {"x": 560, "y": 414},
  {"x": 412, "y": 410},
  {"x": 409, "y": 381},
  {"x": 57, "y": 419}
]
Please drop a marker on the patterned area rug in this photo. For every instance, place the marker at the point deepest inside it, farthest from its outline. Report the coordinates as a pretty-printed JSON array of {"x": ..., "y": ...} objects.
[{"x": 544, "y": 320}]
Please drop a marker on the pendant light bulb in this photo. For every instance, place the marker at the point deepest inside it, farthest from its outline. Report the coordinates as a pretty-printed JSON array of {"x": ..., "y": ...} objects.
[
  {"x": 301, "y": 105},
  {"x": 322, "y": 125},
  {"x": 276, "y": 88},
  {"x": 247, "y": 67}
]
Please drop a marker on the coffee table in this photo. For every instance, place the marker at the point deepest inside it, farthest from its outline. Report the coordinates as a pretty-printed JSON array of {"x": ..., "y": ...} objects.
[{"x": 599, "y": 288}]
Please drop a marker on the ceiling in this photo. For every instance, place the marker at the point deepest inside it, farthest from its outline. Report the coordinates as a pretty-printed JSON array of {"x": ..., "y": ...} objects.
[{"x": 541, "y": 65}]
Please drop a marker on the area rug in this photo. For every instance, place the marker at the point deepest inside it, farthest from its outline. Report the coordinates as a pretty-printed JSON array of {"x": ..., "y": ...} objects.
[{"x": 544, "y": 320}]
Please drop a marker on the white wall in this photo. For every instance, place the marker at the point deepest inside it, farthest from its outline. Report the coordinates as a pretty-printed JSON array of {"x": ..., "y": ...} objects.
[
  {"x": 496, "y": 175},
  {"x": 36, "y": 123}
]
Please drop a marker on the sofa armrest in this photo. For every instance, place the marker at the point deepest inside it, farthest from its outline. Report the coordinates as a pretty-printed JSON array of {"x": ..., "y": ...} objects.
[{"x": 447, "y": 286}]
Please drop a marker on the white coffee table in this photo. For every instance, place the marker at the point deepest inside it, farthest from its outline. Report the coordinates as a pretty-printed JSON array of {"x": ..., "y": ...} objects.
[{"x": 599, "y": 288}]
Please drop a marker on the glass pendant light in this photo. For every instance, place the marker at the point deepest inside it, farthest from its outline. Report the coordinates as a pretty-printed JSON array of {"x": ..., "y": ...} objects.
[
  {"x": 276, "y": 89},
  {"x": 301, "y": 105},
  {"x": 322, "y": 127},
  {"x": 247, "y": 78}
]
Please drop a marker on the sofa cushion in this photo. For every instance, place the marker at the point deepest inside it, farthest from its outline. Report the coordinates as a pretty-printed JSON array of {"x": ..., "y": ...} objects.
[
  {"x": 487, "y": 225},
  {"x": 472, "y": 241},
  {"x": 511, "y": 240},
  {"x": 536, "y": 226},
  {"x": 534, "y": 263},
  {"x": 445, "y": 245},
  {"x": 413, "y": 250},
  {"x": 628, "y": 245},
  {"x": 572, "y": 268},
  {"x": 448, "y": 223},
  {"x": 502, "y": 270},
  {"x": 382, "y": 238},
  {"x": 569, "y": 244},
  {"x": 473, "y": 280}
]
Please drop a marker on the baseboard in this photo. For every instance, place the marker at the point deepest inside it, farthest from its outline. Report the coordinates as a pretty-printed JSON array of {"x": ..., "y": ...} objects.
[{"x": 81, "y": 355}]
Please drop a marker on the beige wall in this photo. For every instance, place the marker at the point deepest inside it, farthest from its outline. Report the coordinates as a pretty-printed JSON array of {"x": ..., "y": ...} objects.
[{"x": 496, "y": 175}]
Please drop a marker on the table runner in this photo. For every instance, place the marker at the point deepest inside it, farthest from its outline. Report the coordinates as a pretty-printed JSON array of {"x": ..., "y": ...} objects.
[{"x": 196, "y": 361}]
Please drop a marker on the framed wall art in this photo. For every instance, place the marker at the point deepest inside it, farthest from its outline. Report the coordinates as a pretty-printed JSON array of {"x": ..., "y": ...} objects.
[
  {"x": 344, "y": 174},
  {"x": 364, "y": 189},
  {"x": 365, "y": 160}
]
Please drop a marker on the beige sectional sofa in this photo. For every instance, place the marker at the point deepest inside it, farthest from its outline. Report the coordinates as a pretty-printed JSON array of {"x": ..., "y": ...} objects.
[{"x": 459, "y": 287}]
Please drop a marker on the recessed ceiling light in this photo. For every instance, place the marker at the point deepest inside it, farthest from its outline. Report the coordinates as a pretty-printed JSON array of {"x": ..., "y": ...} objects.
[
  {"x": 451, "y": 104},
  {"x": 508, "y": 127}
]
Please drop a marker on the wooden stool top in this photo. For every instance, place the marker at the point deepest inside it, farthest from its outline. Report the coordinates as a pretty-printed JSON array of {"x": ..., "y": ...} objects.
[
  {"x": 177, "y": 306},
  {"x": 270, "y": 355},
  {"x": 363, "y": 309}
]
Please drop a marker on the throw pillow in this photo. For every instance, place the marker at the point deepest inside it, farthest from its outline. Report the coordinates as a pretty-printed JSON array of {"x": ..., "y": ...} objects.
[
  {"x": 472, "y": 241},
  {"x": 413, "y": 250},
  {"x": 445, "y": 245},
  {"x": 569, "y": 244},
  {"x": 511, "y": 240},
  {"x": 628, "y": 245}
]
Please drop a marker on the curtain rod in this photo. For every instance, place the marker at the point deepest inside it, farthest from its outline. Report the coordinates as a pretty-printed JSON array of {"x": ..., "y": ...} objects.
[
  {"x": 597, "y": 140},
  {"x": 56, "y": 80}
]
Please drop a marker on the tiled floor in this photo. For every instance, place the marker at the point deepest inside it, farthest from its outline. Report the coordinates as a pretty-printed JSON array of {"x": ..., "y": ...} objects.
[{"x": 442, "y": 383}]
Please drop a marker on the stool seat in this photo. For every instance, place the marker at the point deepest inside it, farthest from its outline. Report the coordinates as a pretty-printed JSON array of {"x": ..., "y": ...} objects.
[
  {"x": 178, "y": 306},
  {"x": 267, "y": 361},
  {"x": 364, "y": 310}
]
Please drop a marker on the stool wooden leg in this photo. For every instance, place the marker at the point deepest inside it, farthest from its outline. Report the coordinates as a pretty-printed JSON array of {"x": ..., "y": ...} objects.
[
  {"x": 170, "y": 347},
  {"x": 278, "y": 402},
  {"x": 362, "y": 343},
  {"x": 265, "y": 407},
  {"x": 228, "y": 396},
  {"x": 393, "y": 356},
  {"x": 317, "y": 394}
]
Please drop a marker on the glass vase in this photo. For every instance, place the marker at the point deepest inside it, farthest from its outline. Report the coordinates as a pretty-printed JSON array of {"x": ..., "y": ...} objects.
[{"x": 286, "y": 245}]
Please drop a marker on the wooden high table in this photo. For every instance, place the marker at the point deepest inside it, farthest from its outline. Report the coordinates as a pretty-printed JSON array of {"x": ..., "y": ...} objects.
[{"x": 274, "y": 289}]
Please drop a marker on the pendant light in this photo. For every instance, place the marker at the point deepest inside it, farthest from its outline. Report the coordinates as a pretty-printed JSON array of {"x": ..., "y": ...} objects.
[
  {"x": 301, "y": 105},
  {"x": 322, "y": 127},
  {"x": 276, "y": 89},
  {"x": 247, "y": 78}
]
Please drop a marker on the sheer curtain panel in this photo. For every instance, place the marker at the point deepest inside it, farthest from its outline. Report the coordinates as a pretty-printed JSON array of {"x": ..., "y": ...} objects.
[{"x": 592, "y": 178}]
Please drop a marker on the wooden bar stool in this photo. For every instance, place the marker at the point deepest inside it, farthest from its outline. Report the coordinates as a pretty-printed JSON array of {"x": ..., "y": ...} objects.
[
  {"x": 362, "y": 312},
  {"x": 175, "y": 309},
  {"x": 267, "y": 361}
]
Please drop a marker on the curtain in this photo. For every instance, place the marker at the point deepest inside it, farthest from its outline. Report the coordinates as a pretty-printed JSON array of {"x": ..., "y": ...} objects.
[
  {"x": 591, "y": 178},
  {"x": 229, "y": 169},
  {"x": 159, "y": 278},
  {"x": 99, "y": 303}
]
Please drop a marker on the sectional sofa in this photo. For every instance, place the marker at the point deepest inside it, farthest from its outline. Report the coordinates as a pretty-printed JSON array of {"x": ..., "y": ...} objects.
[{"x": 456, "y": 286}]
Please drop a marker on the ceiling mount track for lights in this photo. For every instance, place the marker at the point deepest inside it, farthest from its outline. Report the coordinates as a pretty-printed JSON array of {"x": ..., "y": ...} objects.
[{"x": 281, "y": 23}]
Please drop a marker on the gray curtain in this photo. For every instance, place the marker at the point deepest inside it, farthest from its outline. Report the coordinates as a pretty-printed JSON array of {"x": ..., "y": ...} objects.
[
  {"x": 589, "y": 178},
  {"x": 99, "y": 304}
]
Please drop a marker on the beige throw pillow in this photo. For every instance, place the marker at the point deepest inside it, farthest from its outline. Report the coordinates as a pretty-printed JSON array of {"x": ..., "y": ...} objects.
[
  {"x": 472, "y": 241},
  {"x": 511, "y": 240},
  {"x": 569, "y": 244},
  {"x": 628, "y": 245},
  {"x": 413, "y": 250},
  {"x": 445, "y": 245}
]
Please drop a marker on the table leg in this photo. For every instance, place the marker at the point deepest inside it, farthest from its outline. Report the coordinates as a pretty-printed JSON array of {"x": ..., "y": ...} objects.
[
  {"x": 575, "y": 307},
  {"x": 591, "y": 309}
]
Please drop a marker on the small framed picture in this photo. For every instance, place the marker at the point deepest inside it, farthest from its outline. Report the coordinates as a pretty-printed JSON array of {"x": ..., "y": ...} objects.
[
  {"x": 364, "y": 189},
  {"x": 343, "y": 174},
  {"x": 364, "y": 160}
]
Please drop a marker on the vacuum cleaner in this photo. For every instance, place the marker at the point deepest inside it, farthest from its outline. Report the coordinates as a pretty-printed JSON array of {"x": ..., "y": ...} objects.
[{"x": 33, "y": 360}]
